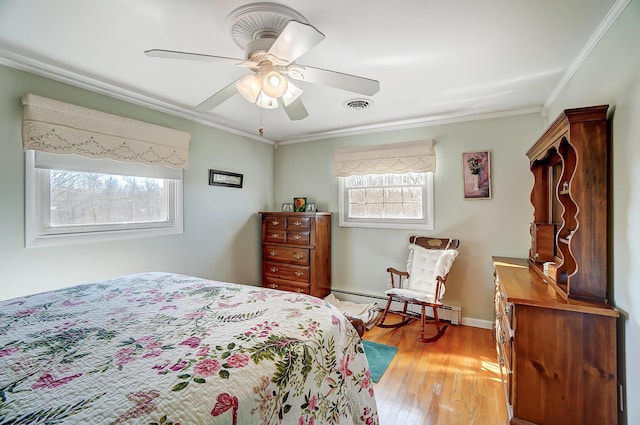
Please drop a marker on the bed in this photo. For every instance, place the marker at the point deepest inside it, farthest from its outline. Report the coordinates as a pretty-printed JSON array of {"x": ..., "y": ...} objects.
[{"x": 162, "y": 348}]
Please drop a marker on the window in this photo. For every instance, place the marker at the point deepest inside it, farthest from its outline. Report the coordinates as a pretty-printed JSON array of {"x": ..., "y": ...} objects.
[
  {"x": 386, "y": 186},
  {"x": 400, "y": 201},
  {"x": 93, "y": 176},
  {"x": 70, "y": 199}
]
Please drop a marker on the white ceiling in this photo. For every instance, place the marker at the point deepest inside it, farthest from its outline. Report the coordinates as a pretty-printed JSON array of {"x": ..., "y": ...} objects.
[{"x": 435, "y": 60}]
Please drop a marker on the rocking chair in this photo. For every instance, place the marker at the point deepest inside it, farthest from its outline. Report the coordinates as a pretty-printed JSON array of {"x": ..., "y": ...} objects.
[{"x": 423, "y": 284}]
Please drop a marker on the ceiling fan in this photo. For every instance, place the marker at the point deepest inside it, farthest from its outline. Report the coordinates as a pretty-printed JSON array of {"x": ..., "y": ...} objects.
[{"x": 273, "y": 36}]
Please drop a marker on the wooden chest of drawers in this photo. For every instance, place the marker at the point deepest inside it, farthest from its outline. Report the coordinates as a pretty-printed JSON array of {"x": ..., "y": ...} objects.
[
  {"x": 296, "y": 252},
  {"x": 557, "y": 357}
]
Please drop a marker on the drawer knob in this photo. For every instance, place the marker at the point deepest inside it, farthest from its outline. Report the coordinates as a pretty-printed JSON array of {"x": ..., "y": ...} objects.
[
  {"x": 273, "y": 253},
  {"x": 275, "y": 235},
  {"x": 273, "y": 285},
  {"x": 297, "y": 237},
  {"x": 275, "y": 222},
  {"x": 273, "y": 269},
  {"x": 298, "y": 256},
  {"x": 299, "y": 291},
  {"x": 298, "y": 273},
  {"x": 297, "y": 223}
]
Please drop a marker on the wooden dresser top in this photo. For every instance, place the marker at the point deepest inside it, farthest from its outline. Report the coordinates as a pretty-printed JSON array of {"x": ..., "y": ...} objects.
[{"x": 524, "y": 286}]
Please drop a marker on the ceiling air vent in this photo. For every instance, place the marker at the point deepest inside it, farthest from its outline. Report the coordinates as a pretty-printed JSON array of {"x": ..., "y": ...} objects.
[{"x": 358, "y": 104}]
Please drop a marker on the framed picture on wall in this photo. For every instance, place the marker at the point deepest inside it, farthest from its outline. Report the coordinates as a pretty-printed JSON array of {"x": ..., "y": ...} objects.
[
  {"x": 225, "y": 178},
  {"x": 476, "y": 175}
]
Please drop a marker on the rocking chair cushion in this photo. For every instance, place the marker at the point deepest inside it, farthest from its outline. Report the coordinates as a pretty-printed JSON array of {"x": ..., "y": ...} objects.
[
  {"x": 412, "y": 295},
  {"x": 425, "y": 265}
]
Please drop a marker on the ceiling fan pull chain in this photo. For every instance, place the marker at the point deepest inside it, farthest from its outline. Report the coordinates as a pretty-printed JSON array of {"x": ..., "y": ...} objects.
[{"x": 261, "y": 128}]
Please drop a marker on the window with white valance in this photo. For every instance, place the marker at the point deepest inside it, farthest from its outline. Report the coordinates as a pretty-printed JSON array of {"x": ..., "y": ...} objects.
[
  {"x": 57, "y": 127},
  {"x": 92, "y": 176},
  {"x": 407, "y": 157},
  {"x": 386, "y": 186}
]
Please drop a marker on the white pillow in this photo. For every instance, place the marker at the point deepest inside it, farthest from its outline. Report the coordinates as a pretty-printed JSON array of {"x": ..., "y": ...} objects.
[{"x": 424, "y": 265}]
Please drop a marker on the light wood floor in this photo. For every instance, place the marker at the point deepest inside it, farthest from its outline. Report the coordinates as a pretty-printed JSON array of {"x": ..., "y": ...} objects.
[{"x": 455, "y": 380}]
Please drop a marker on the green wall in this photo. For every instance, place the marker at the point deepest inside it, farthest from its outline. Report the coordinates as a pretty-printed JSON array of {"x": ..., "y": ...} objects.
[
  {"x": 221, "y": 228},
  {"x": 498, "y": 226}
]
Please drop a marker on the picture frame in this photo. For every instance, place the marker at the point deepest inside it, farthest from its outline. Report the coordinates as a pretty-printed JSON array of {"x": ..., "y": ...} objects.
[
  {"x": 311, "y": 207},
  {"x": 225, "y": 178},
  {"x": 287, "y": 207},
  {"x": 476, "y": 174},
  {"x": 299, "y": 204}
]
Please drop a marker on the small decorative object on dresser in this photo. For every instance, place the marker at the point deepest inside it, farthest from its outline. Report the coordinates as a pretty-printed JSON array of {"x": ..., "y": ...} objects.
[
  {"x": 476, "y": 174},
  {"x": 287, "y": 207},
  {"x": 311, "y": 207},
  {"x": 299, "y": 204},
  {"x": 296, "y": 252}
]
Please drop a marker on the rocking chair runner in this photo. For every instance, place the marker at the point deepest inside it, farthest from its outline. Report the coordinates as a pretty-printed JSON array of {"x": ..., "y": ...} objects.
[{"x": 423, "y": 284}]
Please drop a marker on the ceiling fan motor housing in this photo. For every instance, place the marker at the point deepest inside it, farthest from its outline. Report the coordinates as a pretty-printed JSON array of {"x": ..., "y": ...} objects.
[{"x": 256, "y": 50}]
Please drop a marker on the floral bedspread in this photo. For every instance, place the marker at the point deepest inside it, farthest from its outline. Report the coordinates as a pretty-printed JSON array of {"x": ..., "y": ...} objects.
[{"x": 159, "y": 348}]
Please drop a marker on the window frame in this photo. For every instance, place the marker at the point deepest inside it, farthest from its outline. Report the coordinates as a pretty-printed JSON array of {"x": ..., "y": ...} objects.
[
  {"x": 37, "y": 204},
  {"x": 389, "y": 223}
]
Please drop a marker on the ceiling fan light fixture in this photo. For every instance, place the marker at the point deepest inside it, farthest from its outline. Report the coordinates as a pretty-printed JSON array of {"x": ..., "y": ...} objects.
[
  {"x": 292, "y": 93},
  {"x": 267, "y": 102},
  {"x": 249, "y": 87},
  {"x": 274, "y": 84}
]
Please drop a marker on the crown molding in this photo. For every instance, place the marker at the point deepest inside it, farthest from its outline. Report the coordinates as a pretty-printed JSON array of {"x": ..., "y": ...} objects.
[
  {"x": 593, "y": 41},
  {"x": 34, "y": 66},
  {"x": 409, "y": 124}
]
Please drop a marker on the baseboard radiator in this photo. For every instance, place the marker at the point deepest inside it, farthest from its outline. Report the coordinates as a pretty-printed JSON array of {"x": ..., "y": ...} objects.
[{"x": 450, "y": 313}]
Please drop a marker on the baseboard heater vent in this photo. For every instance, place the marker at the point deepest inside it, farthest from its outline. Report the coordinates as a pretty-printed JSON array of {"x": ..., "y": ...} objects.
[{"x": 450, "y": 313}]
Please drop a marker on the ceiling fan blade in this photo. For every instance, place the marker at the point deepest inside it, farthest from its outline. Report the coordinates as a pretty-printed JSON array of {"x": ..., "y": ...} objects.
[
  {"x": 295, "y": 110},
  {"x": 172, "y": 54},
  {"x": 339, "y": 80},
  {"x": 294, "y": 41},
  {"x": 218, "y": 98}
]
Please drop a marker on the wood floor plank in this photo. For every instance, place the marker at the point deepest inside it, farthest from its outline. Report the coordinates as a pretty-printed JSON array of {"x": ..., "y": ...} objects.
[{"x": 455, "y": 380}]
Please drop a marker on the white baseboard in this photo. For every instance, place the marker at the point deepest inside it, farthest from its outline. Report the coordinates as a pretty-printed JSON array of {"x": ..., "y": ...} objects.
[{"x": 477, "y": 323}]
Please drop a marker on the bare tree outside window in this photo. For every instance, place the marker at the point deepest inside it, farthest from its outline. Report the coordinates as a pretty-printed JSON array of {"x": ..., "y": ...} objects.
[
  {"x": 396, "y": 196},
  {"x": 78, "y": 198}
]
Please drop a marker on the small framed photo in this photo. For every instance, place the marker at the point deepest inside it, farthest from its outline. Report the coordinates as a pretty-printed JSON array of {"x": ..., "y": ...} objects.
[
  {"x": 311, "y": 207},
  {"x": 287, "y": 207},
  {"x": 476, "y": 175},
  {"x": 299, "y": 204},
  {"x": 225, "y": 178}
]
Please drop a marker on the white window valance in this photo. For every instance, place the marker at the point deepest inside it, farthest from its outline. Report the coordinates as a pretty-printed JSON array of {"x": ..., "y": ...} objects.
[
  {"x": 407, "y": 157},
  {"x": 52, "y": 126}
]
